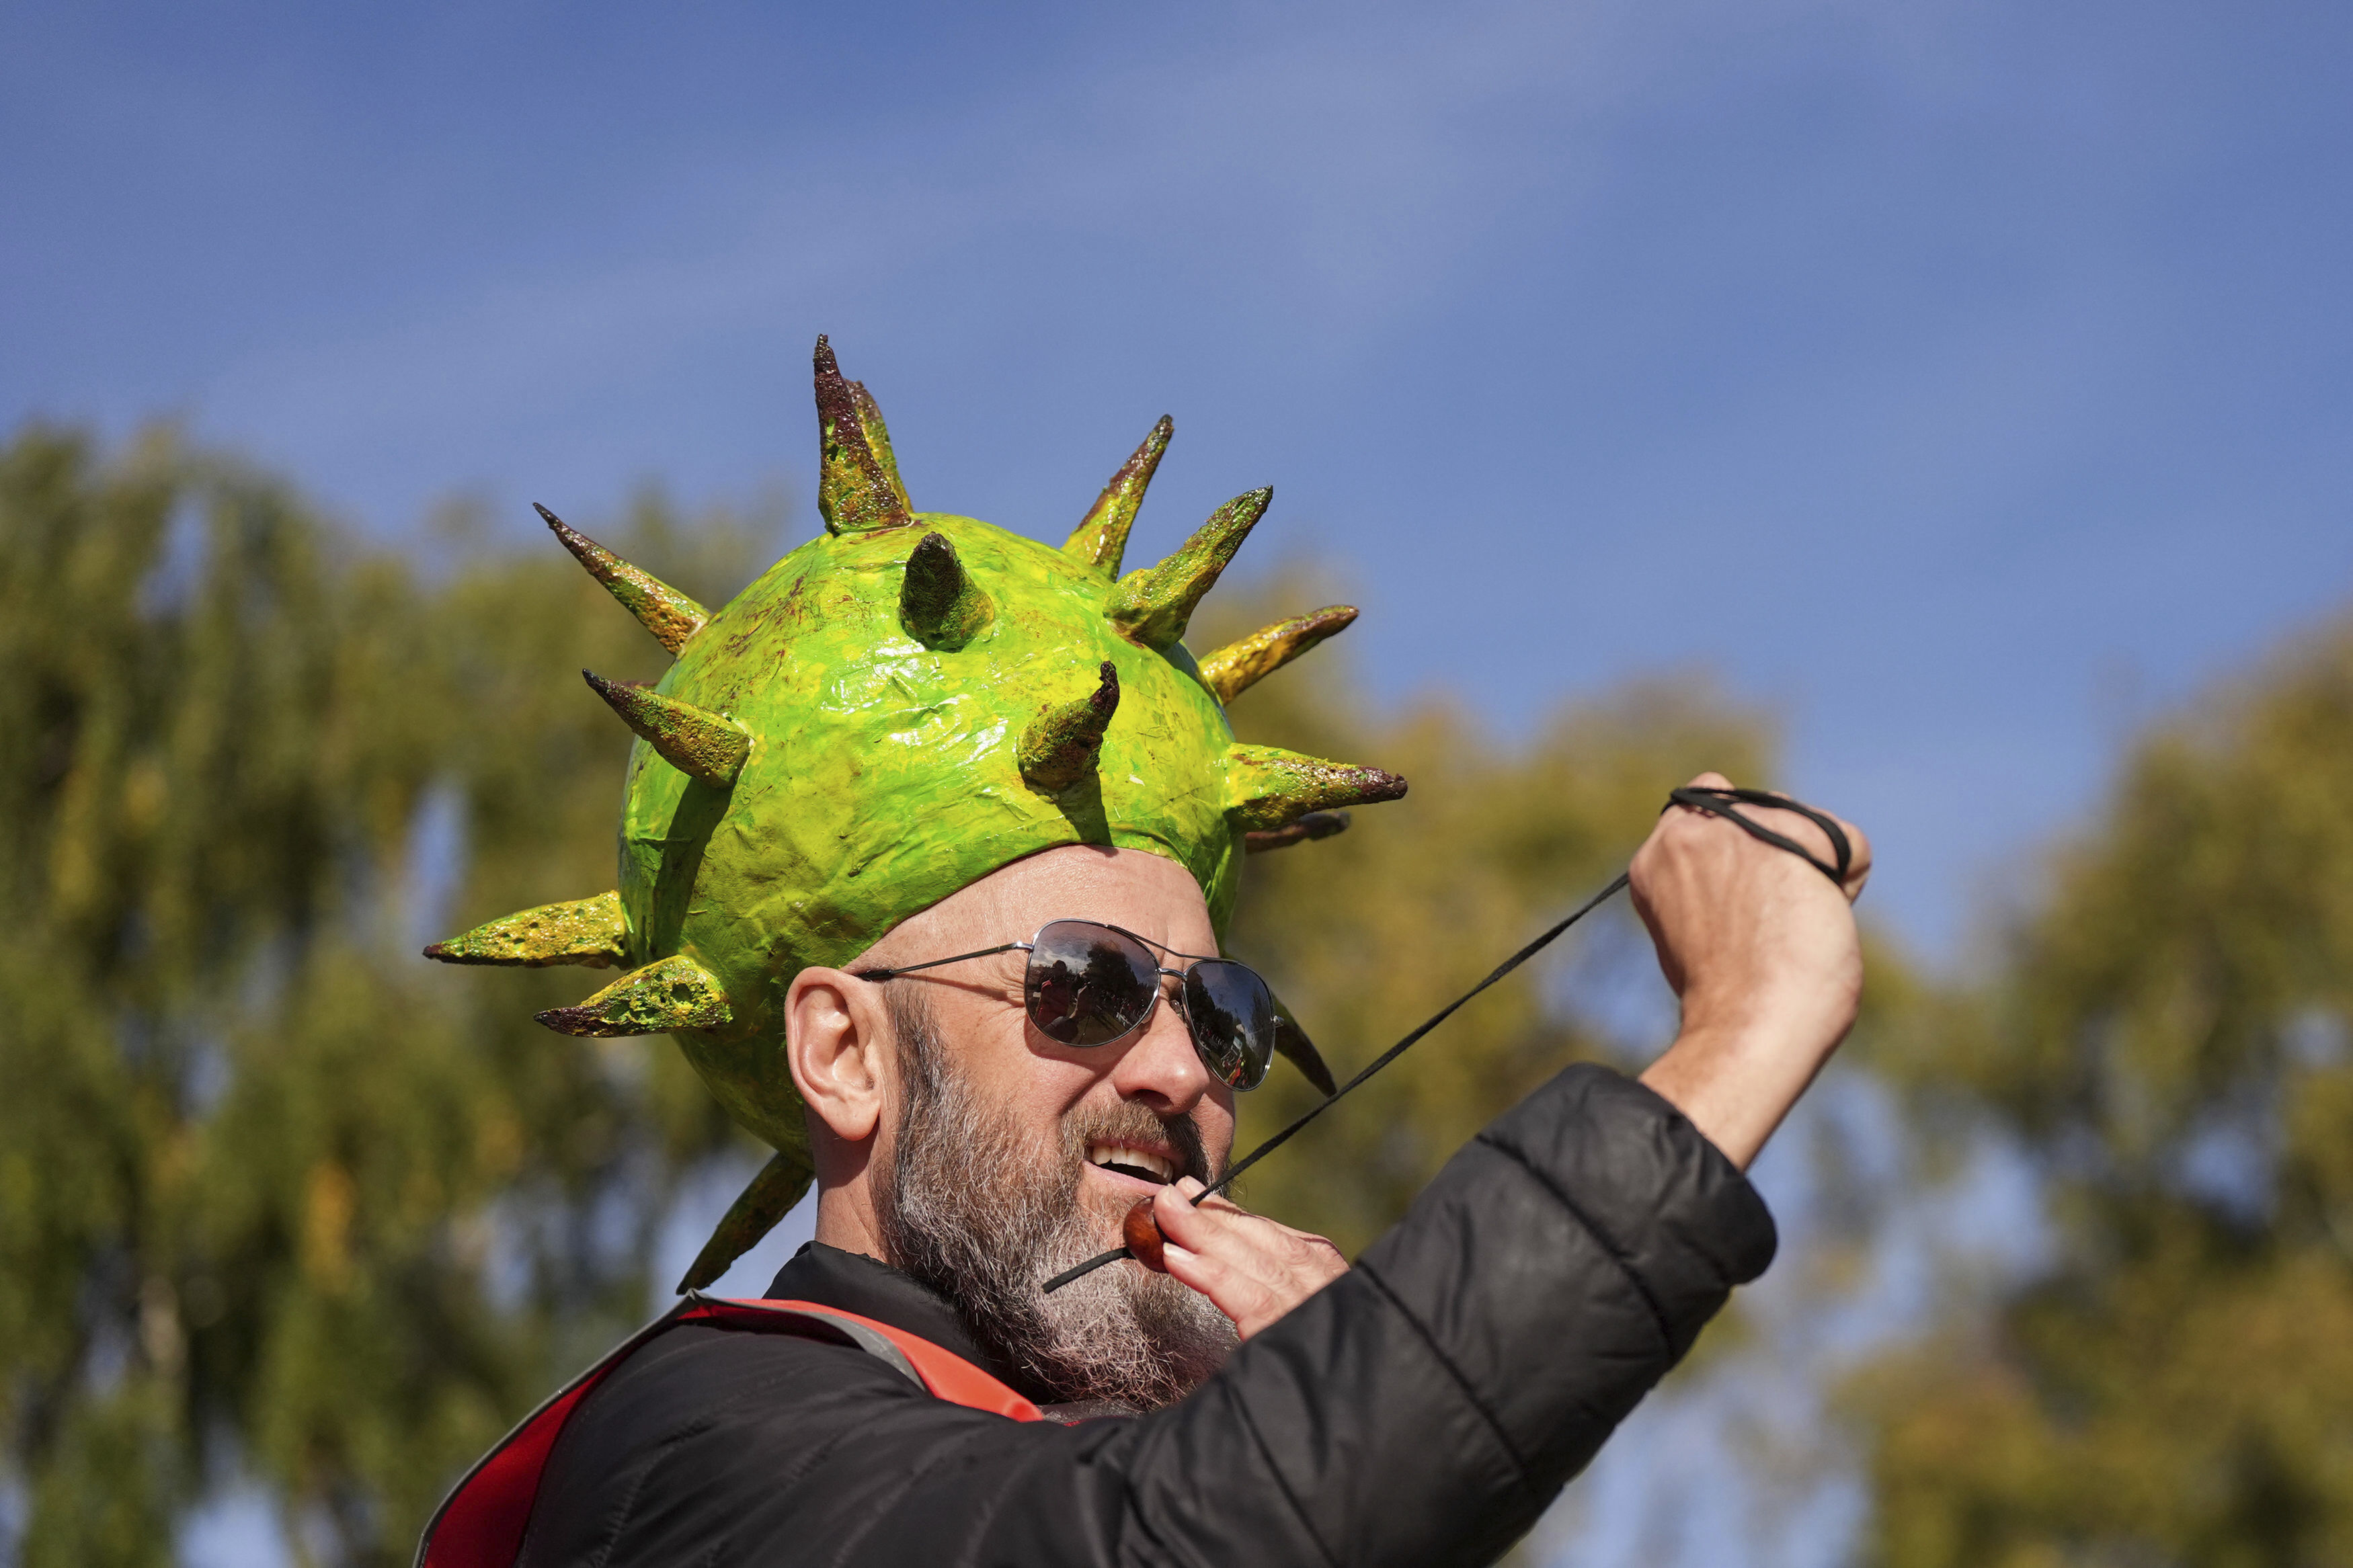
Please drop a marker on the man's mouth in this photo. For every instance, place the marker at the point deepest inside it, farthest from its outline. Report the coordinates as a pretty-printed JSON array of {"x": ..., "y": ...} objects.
[{"x": 1153, "y": 1165}]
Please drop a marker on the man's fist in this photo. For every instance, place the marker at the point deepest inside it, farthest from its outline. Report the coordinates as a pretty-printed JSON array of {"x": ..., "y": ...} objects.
[{"x": 1763, "y": 951}]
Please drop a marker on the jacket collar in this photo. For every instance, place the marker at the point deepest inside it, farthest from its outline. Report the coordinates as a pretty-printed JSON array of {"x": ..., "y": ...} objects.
[{"x": 832, "y": 1277}]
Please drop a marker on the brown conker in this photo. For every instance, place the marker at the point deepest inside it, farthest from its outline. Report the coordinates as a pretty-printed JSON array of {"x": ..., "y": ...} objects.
[{"x": 1142, "y": 1234}]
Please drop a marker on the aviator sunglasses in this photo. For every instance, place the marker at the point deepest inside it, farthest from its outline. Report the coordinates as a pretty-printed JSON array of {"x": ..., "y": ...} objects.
[{"x": 1089, "y": 984}]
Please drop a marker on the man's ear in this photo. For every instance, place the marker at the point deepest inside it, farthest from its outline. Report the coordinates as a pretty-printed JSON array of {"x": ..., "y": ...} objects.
[{"x": 839, "y": 1043}]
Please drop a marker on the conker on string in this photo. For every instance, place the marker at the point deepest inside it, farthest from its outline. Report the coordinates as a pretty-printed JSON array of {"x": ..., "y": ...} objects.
[{"x": 1142, "y": 1234}]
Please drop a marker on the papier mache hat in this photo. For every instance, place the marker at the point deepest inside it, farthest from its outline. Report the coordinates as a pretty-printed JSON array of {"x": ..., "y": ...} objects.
[{"x": 896, "y": 708}]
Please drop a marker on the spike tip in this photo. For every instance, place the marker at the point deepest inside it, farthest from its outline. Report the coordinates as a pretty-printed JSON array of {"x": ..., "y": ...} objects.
[
  {"x": 590, "y": 931},
  {"x": 674, "y": 994},
  {"x": 858, "y": 487},
  {"x": 671, "y": 616},
  {"x": 1269, "y": 787},
  {"x": 1151, "y": 605},
  {"x": 710, "y": 746},
  {"x": 753, "y": 1215},
  {"x": 1101, "y": 538},
  {"x": 1238, "y": 666},
  {"x": 939, "y": 604},
  {"x": 1061, "y": 743},
  {"x": 1314, "y": 825}
]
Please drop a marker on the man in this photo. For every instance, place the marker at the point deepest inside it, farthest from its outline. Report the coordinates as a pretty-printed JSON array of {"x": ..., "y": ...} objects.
[{"x": 1001, "y": 1058}]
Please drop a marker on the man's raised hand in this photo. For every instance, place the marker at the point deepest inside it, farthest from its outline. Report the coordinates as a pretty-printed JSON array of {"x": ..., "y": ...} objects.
[{"x": 1762, "y": 950}]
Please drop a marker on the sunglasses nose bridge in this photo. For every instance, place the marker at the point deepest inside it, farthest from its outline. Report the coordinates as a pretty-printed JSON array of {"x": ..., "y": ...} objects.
[{"x": 1161, "y": 1058}]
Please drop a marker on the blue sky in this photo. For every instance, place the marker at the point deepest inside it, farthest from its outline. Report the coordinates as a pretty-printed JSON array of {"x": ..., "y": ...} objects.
[{"x": 1963, "y": 381}]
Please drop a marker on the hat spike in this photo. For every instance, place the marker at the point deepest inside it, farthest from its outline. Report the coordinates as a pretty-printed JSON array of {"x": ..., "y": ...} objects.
[
  {"x": 1151, "y": 605},
  {"x": 1314, "y": 825},
  {"x": 1268, "y": 787},
  {"x": 1060, "y": 746},
  {"x": 671, "y": 616},
  {"x": 1101, "y": 538},
  {"x": 710, "y": 746},
  {"x": 878, "y": 440},
  {"x": 754, "y": 1214},
  {"x": 858, "y": 488},
  {"x": 675, "y": 993},
  {"x": 590, "y": 931},
  {"x": 1238, "y": 666},
  {"x": 939, "y": 604}
]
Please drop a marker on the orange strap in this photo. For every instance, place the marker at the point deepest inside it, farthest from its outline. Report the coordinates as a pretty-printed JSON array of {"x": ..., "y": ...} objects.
[
  {"x": 480, "y": 1524},
  {"x": 944, "y": 1373}
]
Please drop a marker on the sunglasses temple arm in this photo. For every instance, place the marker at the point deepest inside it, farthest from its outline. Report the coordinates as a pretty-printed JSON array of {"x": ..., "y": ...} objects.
[
  {"x": 1377, "y": 1063},
  {"x": 935, "y": 962}
]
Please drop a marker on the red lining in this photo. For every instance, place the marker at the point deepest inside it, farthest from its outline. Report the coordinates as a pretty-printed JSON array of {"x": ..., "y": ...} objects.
[{"x": 481, "y": 1523}]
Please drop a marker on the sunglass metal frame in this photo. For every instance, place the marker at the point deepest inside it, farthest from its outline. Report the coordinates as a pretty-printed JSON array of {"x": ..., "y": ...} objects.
[{"x": 1258, "y": 1058}]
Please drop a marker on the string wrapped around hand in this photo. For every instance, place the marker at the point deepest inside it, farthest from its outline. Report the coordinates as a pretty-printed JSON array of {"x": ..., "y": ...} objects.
[{"x": 1142, "y": 1232}]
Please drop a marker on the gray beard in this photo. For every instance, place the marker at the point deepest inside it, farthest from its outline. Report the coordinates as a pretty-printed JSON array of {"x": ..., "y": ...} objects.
[{"x": 983, "y": 1213}]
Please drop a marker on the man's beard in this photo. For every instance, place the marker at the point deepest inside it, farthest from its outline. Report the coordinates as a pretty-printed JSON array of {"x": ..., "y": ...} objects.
[{"x": 983, "y": 1213}]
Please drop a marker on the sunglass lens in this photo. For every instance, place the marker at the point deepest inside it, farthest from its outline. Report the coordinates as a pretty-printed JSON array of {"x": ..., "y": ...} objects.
[
  {"x": 1233, "y": 1016},
  {"x": 1088, "y": 984}
]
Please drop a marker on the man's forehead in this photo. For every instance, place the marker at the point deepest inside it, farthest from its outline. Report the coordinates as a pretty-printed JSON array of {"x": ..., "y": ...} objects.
[{"x": 1146, "y": 893}]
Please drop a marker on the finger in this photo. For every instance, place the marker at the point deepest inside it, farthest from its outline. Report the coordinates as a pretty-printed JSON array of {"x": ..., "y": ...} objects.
[
  {"x": 1287, "y": 1263},
  {"x": 1805, "y": 830},
  {"x": 1858, "y": 870},
  {"x": 1183, "y": 1222},
  {"x": 1709, "y": 780},
  {"x": 1186, "y": 1191},
  {"x": 1246, "y": 1302},
  {"x": 1223, "y": 1252},
  {"x": 1802, "y": 829},
  {"x": 1256, "y": 1288},
  {"x": 1190, "y": 1188},
  {"x": 1212, "y": 1224}
]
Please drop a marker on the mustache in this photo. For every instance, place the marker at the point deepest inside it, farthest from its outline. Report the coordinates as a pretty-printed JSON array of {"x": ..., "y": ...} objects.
[{"x": 1129, "y": 1120}]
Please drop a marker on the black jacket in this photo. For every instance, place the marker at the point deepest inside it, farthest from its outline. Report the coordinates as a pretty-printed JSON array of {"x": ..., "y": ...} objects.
[{"x": 1422, "y": 1409}]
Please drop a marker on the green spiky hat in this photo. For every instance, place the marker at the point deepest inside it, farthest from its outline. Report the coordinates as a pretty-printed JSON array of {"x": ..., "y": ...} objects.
[{"x": 896, "y": 708}]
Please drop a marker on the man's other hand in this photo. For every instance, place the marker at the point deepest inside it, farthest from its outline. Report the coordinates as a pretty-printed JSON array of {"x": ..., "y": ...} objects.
[
  {"x": 1254, "y": 1268},
  {"x": 1762, "y": 949}
]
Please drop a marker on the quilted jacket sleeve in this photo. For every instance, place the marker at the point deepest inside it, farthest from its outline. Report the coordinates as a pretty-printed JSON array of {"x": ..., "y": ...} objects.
[{"x": 1422, "y": 1409}]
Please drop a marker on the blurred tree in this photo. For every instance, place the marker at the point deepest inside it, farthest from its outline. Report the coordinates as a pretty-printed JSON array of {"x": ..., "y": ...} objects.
[
  {"x": 277, "y": 1199},
  {"x": 2168, "y": 1044}
]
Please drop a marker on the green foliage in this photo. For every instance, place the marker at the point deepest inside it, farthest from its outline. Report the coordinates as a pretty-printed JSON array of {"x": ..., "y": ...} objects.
[
  {"x": 274, "y": 1197},
  {"x": 2168, "y": 1042}
]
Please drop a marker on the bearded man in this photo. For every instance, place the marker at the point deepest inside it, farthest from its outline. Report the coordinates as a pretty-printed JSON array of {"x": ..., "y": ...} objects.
[{"x": 1028, "y": 1030}]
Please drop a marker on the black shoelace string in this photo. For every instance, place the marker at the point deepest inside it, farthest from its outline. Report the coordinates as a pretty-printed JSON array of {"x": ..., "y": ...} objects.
[{"x": 1714, "y": 802}]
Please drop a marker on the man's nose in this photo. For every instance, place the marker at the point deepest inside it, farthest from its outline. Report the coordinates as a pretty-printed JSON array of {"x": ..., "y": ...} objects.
[{"x": 1160, "y": 1067}]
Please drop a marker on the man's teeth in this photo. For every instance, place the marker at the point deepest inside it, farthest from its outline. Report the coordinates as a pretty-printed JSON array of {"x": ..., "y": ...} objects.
[{"x": 1134, "y": 1159}]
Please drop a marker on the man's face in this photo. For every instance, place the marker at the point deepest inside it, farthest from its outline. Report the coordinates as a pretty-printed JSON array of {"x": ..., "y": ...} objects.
[
  {"x": 1007, "y": 1157},
  {"x": 1131, "y": 1092}
]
